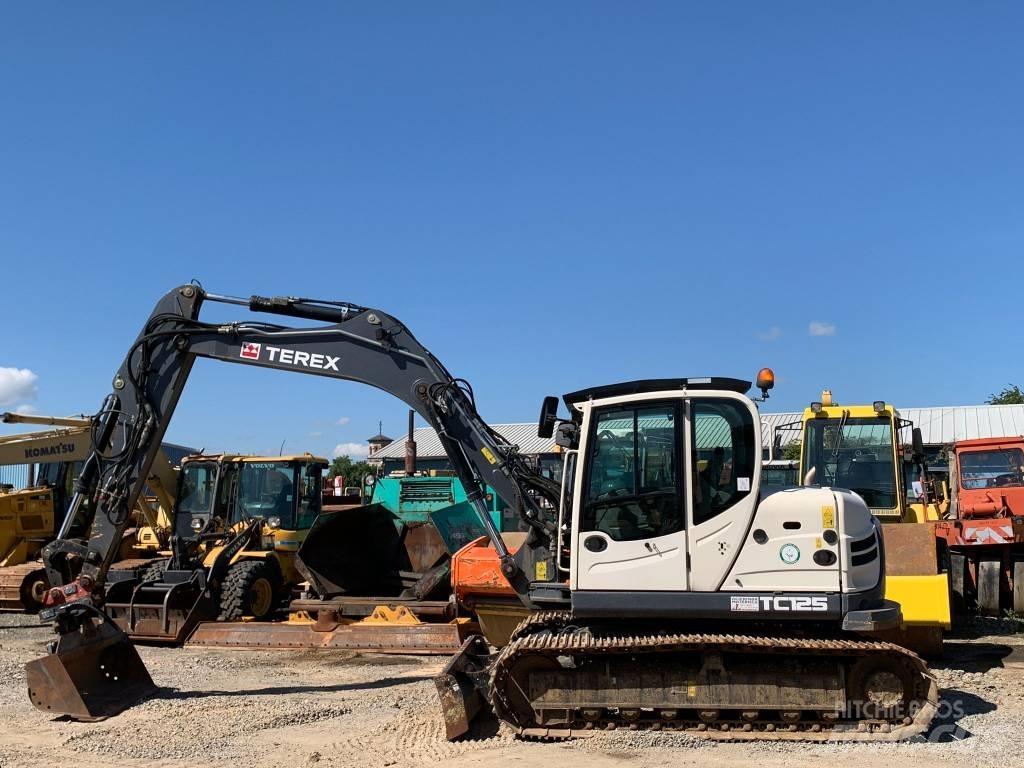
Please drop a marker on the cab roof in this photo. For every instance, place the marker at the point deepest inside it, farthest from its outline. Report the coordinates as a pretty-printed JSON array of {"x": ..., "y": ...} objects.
[
  {"x": 990, "y": 442},
  {"x": 641, "y": 386},
  {"x": 307, "y": 458}
]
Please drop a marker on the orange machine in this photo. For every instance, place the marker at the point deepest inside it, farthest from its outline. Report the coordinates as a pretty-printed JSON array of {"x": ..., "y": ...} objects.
[
  {"x": 986, "y": 531},
  {"x": 480, "y": 587}
]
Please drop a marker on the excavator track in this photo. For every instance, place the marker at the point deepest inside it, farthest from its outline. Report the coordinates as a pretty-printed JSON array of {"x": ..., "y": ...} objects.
[
  {"x": 558, "y": 678},
  {"x": 23, "y": 587}
]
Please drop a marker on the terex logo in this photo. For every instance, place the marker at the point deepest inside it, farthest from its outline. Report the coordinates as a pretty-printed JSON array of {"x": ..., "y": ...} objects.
[
  {"x": 250, "y": 351},
  {"x": 304, "y": 359},
  {"x": 797, "y": 603}
]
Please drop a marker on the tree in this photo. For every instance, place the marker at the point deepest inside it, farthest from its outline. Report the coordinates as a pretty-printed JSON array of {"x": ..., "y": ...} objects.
[
  {"x": 1011, "y": 395},
  {"x": 791, "y": 450},
  {"x": 352, "y": 471}
]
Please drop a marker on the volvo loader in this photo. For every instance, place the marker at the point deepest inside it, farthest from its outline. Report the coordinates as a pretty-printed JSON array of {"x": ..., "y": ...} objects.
[
  {"x": 239, "y": 522},
  {"x": 658, "y": 590},
  {"x": 251, "y": 544}
]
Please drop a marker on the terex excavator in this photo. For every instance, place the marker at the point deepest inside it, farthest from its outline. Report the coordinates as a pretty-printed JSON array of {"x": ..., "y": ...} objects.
[{"x": 660, "y": 592}]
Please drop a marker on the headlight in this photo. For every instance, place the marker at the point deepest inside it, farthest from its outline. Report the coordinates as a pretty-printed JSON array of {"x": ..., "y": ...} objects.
[
  {"x": 197, "y": 524},
  {"x": 274, "y": 522}
]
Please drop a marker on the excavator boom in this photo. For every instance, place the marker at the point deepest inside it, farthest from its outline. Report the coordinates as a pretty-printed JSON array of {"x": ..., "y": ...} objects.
[{"x": 356, "y": 344}]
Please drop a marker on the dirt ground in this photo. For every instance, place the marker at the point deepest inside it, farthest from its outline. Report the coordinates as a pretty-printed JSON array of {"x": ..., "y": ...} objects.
[{"x": 327, "y": 709}]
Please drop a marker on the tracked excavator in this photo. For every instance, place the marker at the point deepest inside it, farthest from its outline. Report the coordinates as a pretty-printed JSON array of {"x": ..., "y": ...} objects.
[{"x": 658, "y": 592}]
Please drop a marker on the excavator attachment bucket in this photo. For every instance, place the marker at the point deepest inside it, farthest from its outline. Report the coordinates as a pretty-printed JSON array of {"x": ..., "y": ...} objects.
[
  {"x": 460, "y": 686},
  {"x": 93, "y": 673}
]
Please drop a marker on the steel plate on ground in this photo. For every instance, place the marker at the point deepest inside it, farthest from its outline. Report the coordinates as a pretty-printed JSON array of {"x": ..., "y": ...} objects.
[{"x": 426, "y": 639}]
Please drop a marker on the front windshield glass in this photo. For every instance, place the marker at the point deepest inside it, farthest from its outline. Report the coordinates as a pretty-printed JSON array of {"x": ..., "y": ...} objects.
[
  {"x": 859, "y": 460},
  {"x": 266, "y": 489},
  {"x": 992, "y": 469},
  {"x": 198, "y": 487}
]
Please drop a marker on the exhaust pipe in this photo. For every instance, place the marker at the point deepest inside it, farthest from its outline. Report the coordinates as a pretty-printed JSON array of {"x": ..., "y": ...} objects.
[{"x": 410, "y": 446}]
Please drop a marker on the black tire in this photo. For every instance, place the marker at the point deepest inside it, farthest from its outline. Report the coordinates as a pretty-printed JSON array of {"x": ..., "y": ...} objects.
[
  {"x": 33, "y": 590},
  {"x": 155, "y": 571},
  {"x": 244, "y": 591},
  {"x": 958, "y": 576}
]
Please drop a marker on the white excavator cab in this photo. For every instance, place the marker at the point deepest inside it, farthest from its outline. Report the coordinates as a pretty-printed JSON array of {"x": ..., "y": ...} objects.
[
  {"x": 667, "y": 491},
  {"x": 664, "y": 515}
]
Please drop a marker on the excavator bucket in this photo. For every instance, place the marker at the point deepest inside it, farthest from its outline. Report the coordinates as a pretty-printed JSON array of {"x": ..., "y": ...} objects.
[
  {"x": 459, "y": 686},
  {"x": 93, "y": 673}
]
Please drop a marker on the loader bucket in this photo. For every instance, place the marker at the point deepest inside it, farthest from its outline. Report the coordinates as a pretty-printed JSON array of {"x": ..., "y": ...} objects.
[
  {"x": 161, "y": 612},
  {"x": 461, "y": 686},
  {"x": 93, "y": 673},
  {"x": 354, "y": 551}
]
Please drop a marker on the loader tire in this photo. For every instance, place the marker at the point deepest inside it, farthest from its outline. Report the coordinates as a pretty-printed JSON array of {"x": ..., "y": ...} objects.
[
  {"x": 250, "y": 589},
  {"x": 155, "y": 571}
]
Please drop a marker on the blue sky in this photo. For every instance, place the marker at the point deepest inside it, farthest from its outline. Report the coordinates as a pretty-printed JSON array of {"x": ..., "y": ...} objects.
[{"x": 550, "y": 195}]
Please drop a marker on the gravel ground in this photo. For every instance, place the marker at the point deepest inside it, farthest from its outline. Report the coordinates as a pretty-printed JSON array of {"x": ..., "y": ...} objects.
[{"x": 335, "y": 709}]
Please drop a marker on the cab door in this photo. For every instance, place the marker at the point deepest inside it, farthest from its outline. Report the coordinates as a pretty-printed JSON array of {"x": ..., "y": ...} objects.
[
  {"x": 630, "y": 517},
  {"x": 724, "y": 457}
]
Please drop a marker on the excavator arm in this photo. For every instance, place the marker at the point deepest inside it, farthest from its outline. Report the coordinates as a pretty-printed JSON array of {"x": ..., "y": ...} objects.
[{"x": 356, "y": 344}]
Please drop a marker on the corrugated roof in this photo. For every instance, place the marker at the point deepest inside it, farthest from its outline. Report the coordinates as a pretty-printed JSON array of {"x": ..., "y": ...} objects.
[
  {"x": 429, "y": 446},
  {"x": 939, "y": 426}
]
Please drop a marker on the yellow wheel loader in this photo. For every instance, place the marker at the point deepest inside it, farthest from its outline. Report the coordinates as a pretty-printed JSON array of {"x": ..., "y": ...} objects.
[
  {"x": 859, "y": 447},
  {"x": 239, "y": 522}
]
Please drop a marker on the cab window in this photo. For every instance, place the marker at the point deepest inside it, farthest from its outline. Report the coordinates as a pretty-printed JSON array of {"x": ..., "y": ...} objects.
[
  {"x": 309, "y": 495},
  {"x": 999, "y": 468},
  {"x": 633, "y": 485},
  {"x": 722, "y": 451},
  {"x": 266, "y": 490}
]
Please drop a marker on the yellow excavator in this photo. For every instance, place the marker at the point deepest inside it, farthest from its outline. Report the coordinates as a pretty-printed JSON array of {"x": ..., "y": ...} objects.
[
  {"x": 32, "y": 516},
  {"x": 859, "y": 447}
]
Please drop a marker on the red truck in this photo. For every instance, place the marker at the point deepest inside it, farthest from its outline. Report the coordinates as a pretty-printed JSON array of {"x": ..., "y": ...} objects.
[{"x": 985, "y": 524}]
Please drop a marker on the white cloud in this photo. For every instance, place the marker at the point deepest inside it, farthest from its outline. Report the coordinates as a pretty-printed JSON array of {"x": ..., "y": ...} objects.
[
  {"x": 342, "y": 421},
  {"x": 771, "y": 334},
  {"x": 17, "y": 384},
  {"x": 818, "y": 328},
  {"x": 352, "y": 450},
  {"x": 26, "y": 410}
]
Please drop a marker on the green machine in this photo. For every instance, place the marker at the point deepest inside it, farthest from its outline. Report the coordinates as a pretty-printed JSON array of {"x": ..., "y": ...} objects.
[{"x": 439, "y": 499}]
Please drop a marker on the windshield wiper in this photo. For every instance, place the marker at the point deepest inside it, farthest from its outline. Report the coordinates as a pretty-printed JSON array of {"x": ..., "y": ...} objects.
[{"x": 839, "y": 441}]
